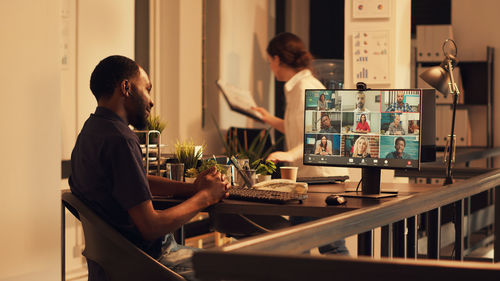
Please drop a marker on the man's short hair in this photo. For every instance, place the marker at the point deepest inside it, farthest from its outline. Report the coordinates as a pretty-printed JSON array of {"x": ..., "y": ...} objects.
[
  {"x": 400, "y": 139},
  {"x": 108, "y": 74}
]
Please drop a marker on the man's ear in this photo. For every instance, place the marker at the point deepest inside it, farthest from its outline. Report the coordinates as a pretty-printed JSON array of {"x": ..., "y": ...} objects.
[{"x": 125, "y": 88}]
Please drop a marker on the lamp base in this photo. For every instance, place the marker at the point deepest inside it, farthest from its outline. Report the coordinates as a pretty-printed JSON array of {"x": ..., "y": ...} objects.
[{"x": 448, "y": 180}]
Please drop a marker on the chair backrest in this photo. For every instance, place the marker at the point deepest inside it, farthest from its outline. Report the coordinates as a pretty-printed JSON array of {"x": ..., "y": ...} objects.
[{"x": 119, "y": 258}]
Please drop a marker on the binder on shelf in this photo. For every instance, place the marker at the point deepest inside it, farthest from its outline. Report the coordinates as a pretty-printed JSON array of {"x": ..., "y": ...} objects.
[
  {"x": 430, "y": 40},
  {"x": 443, "y": 125}
]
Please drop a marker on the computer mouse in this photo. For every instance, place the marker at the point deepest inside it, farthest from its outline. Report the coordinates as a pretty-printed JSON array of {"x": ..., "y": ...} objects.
[{"x": 335, "y": 200}]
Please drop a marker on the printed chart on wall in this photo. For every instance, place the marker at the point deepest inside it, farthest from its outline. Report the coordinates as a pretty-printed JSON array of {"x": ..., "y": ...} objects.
[{"x": 370, "y": 53}]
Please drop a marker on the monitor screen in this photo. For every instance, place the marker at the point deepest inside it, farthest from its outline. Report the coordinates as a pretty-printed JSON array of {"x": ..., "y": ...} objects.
[{"x": 370, "y": 128}]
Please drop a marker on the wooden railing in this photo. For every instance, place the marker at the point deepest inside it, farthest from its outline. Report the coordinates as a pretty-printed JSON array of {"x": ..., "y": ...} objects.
[{"x": 276, "y": 255}]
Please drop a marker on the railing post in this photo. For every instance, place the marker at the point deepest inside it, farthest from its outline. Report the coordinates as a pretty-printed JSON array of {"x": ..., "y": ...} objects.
[
  {"x": 386, "y": 241},
  {"x": 399, "y": 229},
  {"x": 412, "y": 237},
  {"x": 496, "y": 233},
  {"x": 459, "y": 230},
  {"x": 63, "y": 242},
  {"x": 434, "y": 233},
  {"x": 365, "y": 244}
]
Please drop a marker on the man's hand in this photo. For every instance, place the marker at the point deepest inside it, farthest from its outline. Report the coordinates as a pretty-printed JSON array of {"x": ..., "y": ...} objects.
[{"x": 212, "y": 185}]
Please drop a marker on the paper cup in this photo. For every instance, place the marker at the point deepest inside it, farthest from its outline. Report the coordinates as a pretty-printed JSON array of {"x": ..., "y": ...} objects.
[{"x": 289, "y": 173}]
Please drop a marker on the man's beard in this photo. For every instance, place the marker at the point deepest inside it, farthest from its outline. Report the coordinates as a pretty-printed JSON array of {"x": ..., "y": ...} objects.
[{"x": 137, "y": 117}]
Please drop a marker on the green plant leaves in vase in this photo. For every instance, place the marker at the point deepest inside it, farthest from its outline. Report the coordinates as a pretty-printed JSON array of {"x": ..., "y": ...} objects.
[
  {"x": 185, "y": 152},
  {"x": 263, "y": 167},
  {"x": 253, "y": 152},
  {"x": 209, "y": 163}
]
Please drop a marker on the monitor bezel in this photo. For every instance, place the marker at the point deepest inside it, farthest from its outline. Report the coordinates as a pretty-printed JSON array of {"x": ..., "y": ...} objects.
[{"x": 355, "y": 165}]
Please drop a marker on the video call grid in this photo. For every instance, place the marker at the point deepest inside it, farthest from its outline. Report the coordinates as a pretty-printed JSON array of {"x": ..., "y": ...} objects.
[{"x": 375, "y": 103}]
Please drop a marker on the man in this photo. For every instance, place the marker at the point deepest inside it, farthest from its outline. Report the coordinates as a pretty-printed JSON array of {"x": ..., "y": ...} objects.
[
  {"x": 399, "y": 106},
  {"x": 399, "y": 153},
  {"x": 326, "y": 125},
  {"x": 395, "y": 128},
  {"x": 108, "y": 173},
  {"x": 360, "y": 103}
]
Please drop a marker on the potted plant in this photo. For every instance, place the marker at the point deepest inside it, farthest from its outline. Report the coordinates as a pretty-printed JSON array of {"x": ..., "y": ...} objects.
[
  {"x": 264, "y": 169},
  {"x": 154, "y": 123},
  {"x": 188, "y": 153},
  {"x": 251, "y": 150},
  {"x": 190, "y": 175}
]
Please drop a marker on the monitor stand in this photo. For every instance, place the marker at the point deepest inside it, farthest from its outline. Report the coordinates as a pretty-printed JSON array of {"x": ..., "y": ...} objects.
[{"x": 370, "y": 186}]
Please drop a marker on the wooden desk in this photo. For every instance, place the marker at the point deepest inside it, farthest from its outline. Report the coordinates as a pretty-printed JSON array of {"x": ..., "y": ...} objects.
[{"x": 313, "y": 206}]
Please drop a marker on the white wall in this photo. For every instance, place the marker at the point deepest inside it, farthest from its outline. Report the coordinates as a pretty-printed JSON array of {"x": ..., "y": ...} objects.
[
  {"x": 92, "y": 30},
  {"x": 235, "y": 53},
  {"x": 31, "y": 140},
  {"x": 177, "y": 61},
  {"x": 399, "y": 26},
  {"x": 475, "y": 27},
  {"x": 97, "y": 29}
]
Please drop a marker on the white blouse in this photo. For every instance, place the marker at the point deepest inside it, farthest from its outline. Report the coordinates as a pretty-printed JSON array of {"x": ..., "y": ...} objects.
[{"x": 294, "y": 124}]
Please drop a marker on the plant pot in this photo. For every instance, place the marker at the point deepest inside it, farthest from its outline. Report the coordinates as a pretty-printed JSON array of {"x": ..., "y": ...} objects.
[
  {"x": 189, "y": 180},
  {"x": 261, "y": 178}
]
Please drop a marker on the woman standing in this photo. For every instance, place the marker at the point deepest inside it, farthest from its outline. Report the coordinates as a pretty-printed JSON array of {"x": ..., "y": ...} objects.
[{"x": 291, "y": 63}]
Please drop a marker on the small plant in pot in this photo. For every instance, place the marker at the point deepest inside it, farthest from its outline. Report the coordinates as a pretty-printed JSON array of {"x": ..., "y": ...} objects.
[
  {"x": 190, "y": 175},
  {"x": 154, "y": 123},
  {"x": 186, "y": 152},
  {"x": 264, "y": 169}
]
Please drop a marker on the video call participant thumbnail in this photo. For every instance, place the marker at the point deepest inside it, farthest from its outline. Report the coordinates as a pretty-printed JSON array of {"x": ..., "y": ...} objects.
[
  {"x": 361, "y": 148},
  {"x": 362, "y": 126},
  {"x": 399, "y": 105},
  {"x": 327, "y": 126},
  {"x": 322, "y": 103},
  {"x": 396, "y": 128},
  {"x": 399, "y": 147},
  {"x": 324, "y": 146}
]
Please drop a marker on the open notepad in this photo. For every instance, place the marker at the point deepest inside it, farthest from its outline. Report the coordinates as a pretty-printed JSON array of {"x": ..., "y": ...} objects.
[{"x": 239, "y": 100}]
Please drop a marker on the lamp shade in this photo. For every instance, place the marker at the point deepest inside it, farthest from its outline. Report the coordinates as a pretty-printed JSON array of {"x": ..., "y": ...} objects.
[{"x": 438, "y": 78}]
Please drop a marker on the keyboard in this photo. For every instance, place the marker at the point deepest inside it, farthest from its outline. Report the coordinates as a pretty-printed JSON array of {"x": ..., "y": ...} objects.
[
  {"x": 265, "y": 196},
  {"x": 323, "y": 180}
]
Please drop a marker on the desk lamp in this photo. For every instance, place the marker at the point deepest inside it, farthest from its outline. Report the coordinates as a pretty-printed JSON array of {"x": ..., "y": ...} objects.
[{"x": 441, "y": 78}]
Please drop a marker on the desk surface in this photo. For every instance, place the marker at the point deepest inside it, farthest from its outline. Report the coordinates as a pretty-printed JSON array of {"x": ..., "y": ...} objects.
[{"x": 313, "y": 206}]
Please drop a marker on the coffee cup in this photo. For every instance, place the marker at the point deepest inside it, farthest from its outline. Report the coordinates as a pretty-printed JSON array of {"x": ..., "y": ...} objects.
[{"x": 289, "y": 173}]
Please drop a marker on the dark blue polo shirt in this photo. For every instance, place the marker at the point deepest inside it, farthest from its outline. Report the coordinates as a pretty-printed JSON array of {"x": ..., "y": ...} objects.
[{"x": 108, "y": 174}]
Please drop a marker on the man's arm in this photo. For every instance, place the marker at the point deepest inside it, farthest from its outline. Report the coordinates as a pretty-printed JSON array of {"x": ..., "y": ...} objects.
[
  {"x": 154, "y": 224},
  {"x": 161, "y": 186}
]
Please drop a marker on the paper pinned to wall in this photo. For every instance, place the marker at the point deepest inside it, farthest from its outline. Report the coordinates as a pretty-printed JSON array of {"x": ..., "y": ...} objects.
[
  {"x": 363, "y": 9},
  {"x": 370, "y": 52}
]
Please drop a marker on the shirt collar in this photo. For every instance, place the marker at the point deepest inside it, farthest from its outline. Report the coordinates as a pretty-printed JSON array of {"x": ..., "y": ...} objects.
[
  {"x": 108, "y": 114},
  {"x": 296, "y": 78}
]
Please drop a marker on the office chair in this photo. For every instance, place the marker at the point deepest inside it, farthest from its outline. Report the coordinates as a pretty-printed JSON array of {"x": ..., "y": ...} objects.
[{"x": 117, "y": 256}]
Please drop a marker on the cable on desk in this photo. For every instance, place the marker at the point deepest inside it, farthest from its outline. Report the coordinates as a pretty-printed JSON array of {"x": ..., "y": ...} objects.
[
  {"x": 357, "y": 187},
  {"x": 254, "y": 223}
]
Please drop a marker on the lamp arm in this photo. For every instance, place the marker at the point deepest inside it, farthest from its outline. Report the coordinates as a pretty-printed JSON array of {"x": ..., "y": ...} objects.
[
  {"x": 453, "y": 86},
  {"x": 455, "y": 92}
]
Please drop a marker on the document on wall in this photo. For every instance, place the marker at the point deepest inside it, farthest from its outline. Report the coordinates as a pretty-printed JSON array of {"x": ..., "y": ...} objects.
[
  {"x": 239, "y": 100},
  {"x": 370, "y": 54}
]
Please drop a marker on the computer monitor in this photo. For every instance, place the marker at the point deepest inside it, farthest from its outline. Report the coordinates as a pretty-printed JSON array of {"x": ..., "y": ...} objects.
[{"x": 368, "y": 129}]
